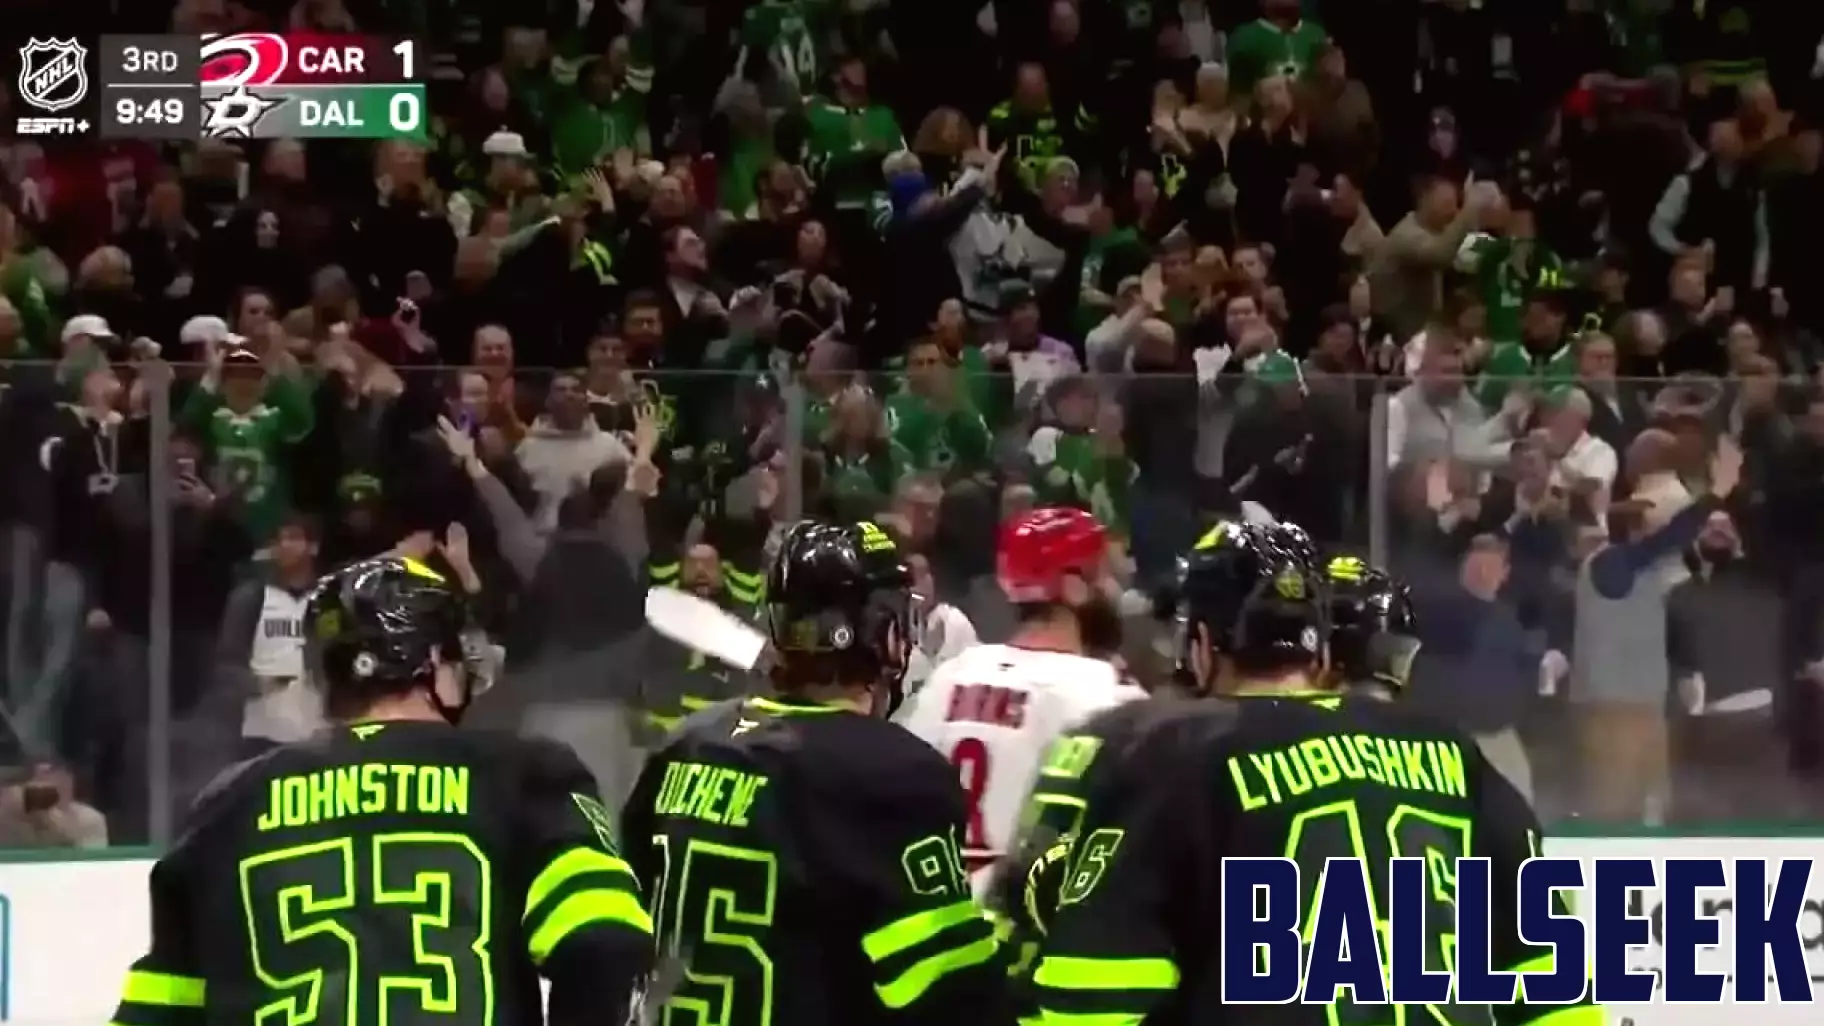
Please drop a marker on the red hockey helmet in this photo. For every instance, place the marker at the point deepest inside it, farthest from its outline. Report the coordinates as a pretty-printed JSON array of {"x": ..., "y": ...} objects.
[{"x": 1042, "y": 548}]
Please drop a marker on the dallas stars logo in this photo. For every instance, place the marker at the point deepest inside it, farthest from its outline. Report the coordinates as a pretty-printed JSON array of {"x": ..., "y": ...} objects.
[{"x": 234, "y": 115}]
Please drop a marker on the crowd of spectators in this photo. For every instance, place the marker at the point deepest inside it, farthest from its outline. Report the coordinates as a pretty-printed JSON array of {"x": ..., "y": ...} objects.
[{"x": 1512, "y": 296}]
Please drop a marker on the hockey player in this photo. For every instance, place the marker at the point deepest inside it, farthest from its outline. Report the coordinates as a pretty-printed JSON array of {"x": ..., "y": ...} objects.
[
  {"x": 393, "y": 867},
  {"x": 994, "y": 710},
  {"x": 1280, "y": 766},
  {"x": 800, "y": 852},
  {"x": 1373, "y": 630}
]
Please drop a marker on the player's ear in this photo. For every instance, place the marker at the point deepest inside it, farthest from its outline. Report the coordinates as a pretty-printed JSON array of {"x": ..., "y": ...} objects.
[
  {"x": 448, "y": 686},
  {"x": 1204, "y": 666}
]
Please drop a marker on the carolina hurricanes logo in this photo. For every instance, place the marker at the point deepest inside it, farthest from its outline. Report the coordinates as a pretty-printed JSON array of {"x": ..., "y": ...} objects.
[{"x": 245, "y": 58}]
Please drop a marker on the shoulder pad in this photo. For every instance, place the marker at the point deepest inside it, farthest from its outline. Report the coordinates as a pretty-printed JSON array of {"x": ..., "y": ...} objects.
[
  {"x": 218, "y": 789},
  {"x": 543, "y": 757}
]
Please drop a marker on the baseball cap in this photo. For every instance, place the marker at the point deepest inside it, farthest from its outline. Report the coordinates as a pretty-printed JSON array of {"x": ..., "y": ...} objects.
[
  {"x": 1016, "y": 293},
  {"x": 505, "y": 144},
  {"x": 203, "y": 330},
  {"x": 239, "y": 357},
  {"x": 92, "y": 325}
]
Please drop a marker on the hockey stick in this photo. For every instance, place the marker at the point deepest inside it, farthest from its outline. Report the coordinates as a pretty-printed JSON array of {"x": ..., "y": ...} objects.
[{"x": 705, "y": 627}]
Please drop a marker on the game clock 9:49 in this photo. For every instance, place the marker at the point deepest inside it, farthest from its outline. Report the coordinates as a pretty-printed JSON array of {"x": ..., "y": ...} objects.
[{"x": 158, "y": 114}]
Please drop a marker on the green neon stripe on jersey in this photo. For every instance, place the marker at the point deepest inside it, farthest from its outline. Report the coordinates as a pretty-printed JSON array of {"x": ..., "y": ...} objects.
[
  {"x": 917, "y": 928},
  {"x": 768, "y": 705},
  {"x": 911, "y": 985},
  {"x": 1107, "y": 974},
  {"x": 1581, "y": 1015},
  {"x": 582, "y": 909},
  {"x": 1050, "y": 1018},
  {"x": 567, "y": 867},
  {"x": 166, "y": 989}
]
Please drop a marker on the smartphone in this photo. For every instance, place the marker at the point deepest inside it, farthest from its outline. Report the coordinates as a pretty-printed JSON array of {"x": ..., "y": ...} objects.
[
  {"x": 186, "y": 466},
  {"x": 38, "y": 797}
]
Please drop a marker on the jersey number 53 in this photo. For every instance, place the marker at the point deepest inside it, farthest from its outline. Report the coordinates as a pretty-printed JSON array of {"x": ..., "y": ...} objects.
[{"x": 319, "y": 917}]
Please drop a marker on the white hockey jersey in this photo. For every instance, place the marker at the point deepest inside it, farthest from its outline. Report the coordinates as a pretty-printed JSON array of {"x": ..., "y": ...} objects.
[{"x": 993, "y": 711}]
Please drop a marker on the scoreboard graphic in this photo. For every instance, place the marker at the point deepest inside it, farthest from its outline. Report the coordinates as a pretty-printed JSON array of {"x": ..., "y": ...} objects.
[{"x": 248, "y": 85}]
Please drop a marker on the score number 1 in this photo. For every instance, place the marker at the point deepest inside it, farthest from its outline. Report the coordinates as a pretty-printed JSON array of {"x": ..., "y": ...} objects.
[{"x": 407, "y": 52}]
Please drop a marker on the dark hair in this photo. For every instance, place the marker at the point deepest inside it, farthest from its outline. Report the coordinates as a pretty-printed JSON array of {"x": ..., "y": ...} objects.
[
  {"x": 241, "y": 295},
  {"x": 673, "y": 235},
  {"x": 640, "y": 299},
  {"x": 1334, "y": 315},
  {"x": 309, "y": 526}
]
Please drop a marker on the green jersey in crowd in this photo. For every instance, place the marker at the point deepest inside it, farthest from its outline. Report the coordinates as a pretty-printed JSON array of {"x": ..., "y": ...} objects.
[
  {"x": 860, "y": 485},
  {"x": 1033, "y": 138},
  {"x": 844, "y": 147},
  {"x": 586, "y": 132},
  {"x": 1515, "y": 363},
  {"x": 1070, "y": 470},
  {"x": 1261, "y": 49},
  {"x": 786, "y": 31},
  {"x": 20, "y": 284},
  {"x": 248, "y": 448},
  {"x": 1507, "y": 273},
  {"x": 988, "y": 390},
  {"x": 939, "y": 438},
  {"x": 1107, "y": 259}
]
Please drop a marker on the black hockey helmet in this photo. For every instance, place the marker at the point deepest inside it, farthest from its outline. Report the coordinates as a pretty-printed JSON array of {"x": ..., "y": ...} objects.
[
  {"x": 1257, "y": 590},
  {"x": 1373, "y": 630},
  {"x": 843, "y": 590},
  {"x": 379, "y": 627}
]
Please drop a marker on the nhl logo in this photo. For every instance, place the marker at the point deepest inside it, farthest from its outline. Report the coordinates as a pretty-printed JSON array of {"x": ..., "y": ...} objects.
[{"x": 53, "y": 74}]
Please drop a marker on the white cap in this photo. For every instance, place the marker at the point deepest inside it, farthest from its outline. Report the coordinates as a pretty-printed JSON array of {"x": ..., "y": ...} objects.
[
  {"x": 92, "y": 325},
  {"x": 505, "y": 144},
  {"x": 203, "y": 330}
]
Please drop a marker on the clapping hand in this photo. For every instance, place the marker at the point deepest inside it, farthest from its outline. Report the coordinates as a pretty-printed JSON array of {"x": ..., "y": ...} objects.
[
  {"x": 643, "y": 478},
  {"x": 457, "y": 441},
  {"x": 1725, "y": 467},
  {"x": 766, "y": 488},
  {"x": 625, "y": 167},
  {"x": 455, "y": 547},
  {"x": 646, "y": 430},
  {"x": 827, "y": 292},
  {"x": 600, "y": 188},
  {"x": 993, "y": 167},
  {"x": 1274, "y": 299},
  {"x": 1516, "y": 405}
]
